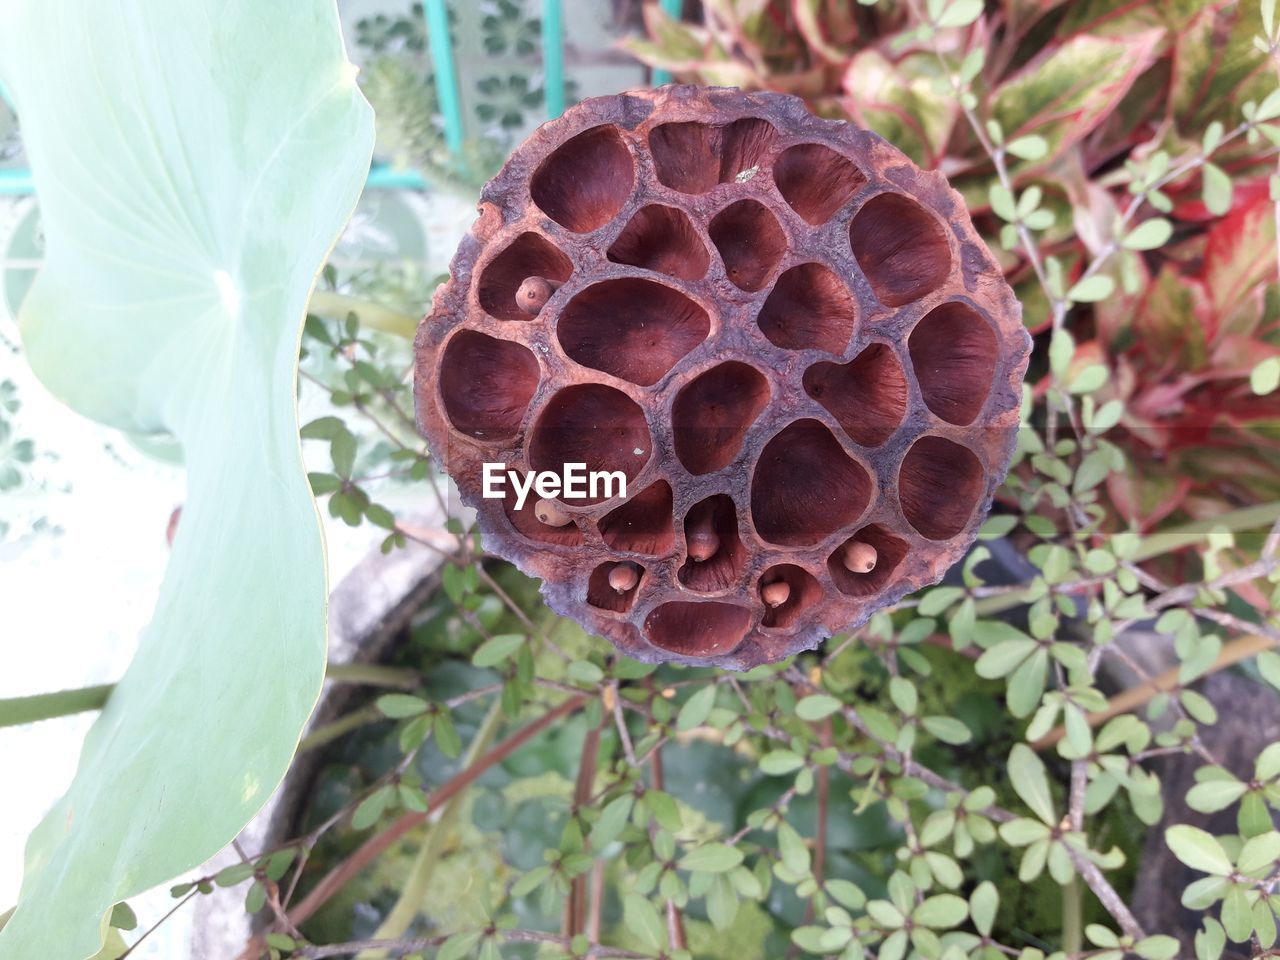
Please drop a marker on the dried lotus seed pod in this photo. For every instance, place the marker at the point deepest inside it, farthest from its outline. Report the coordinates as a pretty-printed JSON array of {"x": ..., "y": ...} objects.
[{"x": 787, "y": 339}]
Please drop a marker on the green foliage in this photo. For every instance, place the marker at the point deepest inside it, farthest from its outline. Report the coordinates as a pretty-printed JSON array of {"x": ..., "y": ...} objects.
[
  {"x": 951, "y": 779},
  {"x": 1118, "y": 157}
]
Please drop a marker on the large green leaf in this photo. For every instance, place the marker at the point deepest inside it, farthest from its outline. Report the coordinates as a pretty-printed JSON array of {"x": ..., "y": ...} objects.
[{"x": 195, "y": 161}]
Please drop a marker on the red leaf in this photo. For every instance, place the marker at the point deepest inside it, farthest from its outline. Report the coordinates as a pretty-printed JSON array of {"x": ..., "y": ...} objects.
[
  {"x": 1068, "y": 90},
  {"x": 1240, "y": 257}
]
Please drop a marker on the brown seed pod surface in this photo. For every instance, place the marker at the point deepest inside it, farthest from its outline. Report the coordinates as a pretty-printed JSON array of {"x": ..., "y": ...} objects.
[{"x": 788, "y": 338}]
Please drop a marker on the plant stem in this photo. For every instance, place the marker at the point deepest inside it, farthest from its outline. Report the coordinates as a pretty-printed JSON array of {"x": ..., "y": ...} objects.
[
  {"x": 1072, "y": 928},
  {"x": 1241, "y": 648},
  {"x": 372, "y": 675},
  {"x": 414, "y": 892},
  {"x": 15, "y": 711},
  {"x": 375, "y": 315},
  {"x": 1157, "y": 544},
  {"x": 47, "y": 706},
  {"x": 372, "y": 848},
  {"x": 574, "y": 918},
  {"x": 328, "y": 732},
  {"x": 399, "y": 948}
]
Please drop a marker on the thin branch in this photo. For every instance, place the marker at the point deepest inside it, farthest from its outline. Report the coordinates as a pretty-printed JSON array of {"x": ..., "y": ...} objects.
[
  {"x": 372, "y": 848},
  {"x": 1242, "y": 648},
  {"x": 398, "y": 948},
  {"x": 574, "y": 918}
]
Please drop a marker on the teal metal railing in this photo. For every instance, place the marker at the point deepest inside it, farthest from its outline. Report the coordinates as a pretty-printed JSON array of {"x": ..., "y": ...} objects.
[
  {"x": 673, "y": 9},
  {"x": 17, "y": 182}
]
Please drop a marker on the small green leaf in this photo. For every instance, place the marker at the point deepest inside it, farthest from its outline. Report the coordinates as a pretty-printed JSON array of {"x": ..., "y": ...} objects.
[
  {"x": 795, "y": 855},
  {"x": 885, "y": 913},
  {"x": 1211, "y": 940},
  {"x": 711, "y": 858},
  {"x": 641, "y": 918},
  {"x": 496, "y": 649},
  {"x": 983, "y": 903},
  {"x": 846, "y": 893},
  {"x": 817, "y": 707},
  {"x": 939, "y": 599},
  {"x": 947, "y": 729},
  {"x": 123, "y": 917},
  {"x": 1062, "y": 348},
  {"x": 664, "y": 809},
  {"x": 233, "y": 875},
  {"x": 613, "y": 818},
  {"x": 1269, "y": 108},
  {"x": 531, "y": 881},
  {"x": 324, "y": 483},
  {"x": 1093, "y": 469},
  {"x": 1216, "y": 189},
  {"x": 779, "y": 763},
  {"x": 1026, "y": 684},
  {"x": 1031, "y": 147},
  {"x": 1101, "y": 936},
  {"x": 959, "y": 13},
  {"x": 1023, "y": 831},
  {"x": 1003, "y": 658},
  {"x": 1150, "y": 235},
  {"x": 1106, "y": 417},
  {"x": 1029, "y": 778},
  {"x": 697, "y": 708},
  {"x": 1002, "y": 203},
  {"x": 1159, "y": 947},
  {"x": 256, "y": 898},
  {"x": 415, "y": 733},
  {"x": 903, "y": 694},
  {"x": 1092, "y": 289},
  {"x": 1267, "y": 766},
  {"x": 1237, "y": 916},
  {"x": 462, "y": 944},
  {"x": 1269, "y": 666},
  {"x": 1265, "y": 377},
  {"x": 447, "y": 738},
  {"x": 1197, "y": 849},
  {"x": 412, "y": 798},
  {"x": 1214, "y": 795},
  {"x": 585, "y": 672},
  {"x": 1089, "y": 379},
  {"x": 370, "y": 809},
  {"x": 1259, "y": 855},
  {"x": 941, "y": 911}
]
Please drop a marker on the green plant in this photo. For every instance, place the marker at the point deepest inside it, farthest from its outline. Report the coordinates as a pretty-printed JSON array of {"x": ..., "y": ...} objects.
[
  {"x": 963, "y": 777},
  {"x": 1116, "y": 152}
]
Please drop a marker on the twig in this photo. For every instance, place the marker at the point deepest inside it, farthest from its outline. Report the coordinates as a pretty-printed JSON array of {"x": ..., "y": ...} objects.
[
  {"x": 413, "y": 892},
  {"x": 1242, "y": 648},
  {"x": 628, "y": 749},
  {"x": 574, "y": 918},
  {"x": 372, "y": 848},
  {"x": 824, "y": 796},
  {"x": 65, "y": 703},
  {"x": 399, "y": 948},
  {"x": 675, "y": 923},
  {"x": 155, "y": 926}
]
